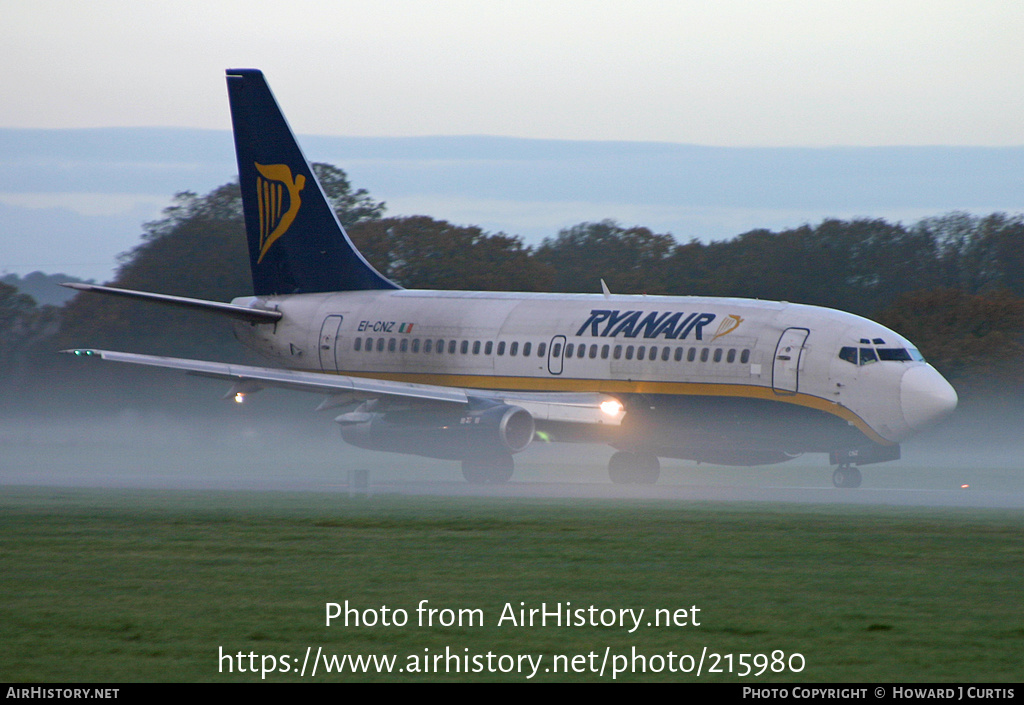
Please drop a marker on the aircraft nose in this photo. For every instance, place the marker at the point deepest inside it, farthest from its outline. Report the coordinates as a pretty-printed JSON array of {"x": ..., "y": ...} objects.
[{"x": 926, "y": 397}]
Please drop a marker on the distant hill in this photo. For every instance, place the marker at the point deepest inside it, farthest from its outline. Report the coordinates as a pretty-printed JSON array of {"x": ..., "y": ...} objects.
[
  {"x": 71, "y": 200},
  {"x": 44, "y": 288}
]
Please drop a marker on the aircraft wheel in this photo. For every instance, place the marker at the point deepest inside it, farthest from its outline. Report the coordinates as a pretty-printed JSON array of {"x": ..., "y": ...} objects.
[
  {"x": 618, "y": 467},
  {"x": 648, "y": 469},
  {"x": 625, "y": 468},
  {"x": 494, "y": 470},
  {"x": 846, "y": 476}
]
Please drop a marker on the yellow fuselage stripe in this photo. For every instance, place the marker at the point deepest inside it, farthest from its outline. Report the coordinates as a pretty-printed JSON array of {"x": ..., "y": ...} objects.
[{"x": 614, "y": 386}]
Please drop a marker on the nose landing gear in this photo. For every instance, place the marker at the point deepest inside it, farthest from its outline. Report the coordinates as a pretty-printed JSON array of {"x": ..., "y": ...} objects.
[{"x": 847, "y": 476}]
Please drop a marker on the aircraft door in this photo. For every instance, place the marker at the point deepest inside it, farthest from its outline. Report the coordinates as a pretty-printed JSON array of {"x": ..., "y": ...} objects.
[
  {"x": 556, "y": 350},
  {"x": 788, "y": 361},
  {"x": 329, "y": 342}
]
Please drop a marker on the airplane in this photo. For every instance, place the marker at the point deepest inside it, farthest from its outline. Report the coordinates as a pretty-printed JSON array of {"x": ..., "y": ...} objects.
[{"x": 476, "y": 377}]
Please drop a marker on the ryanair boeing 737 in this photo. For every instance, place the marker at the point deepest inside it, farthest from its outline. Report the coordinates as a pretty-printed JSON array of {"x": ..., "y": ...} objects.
[{"x": 475, "y": 376}]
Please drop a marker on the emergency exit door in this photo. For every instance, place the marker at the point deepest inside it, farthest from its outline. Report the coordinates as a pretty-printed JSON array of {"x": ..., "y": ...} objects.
[
  {"x": 329, "y": 342},
  {"x": 556, "y": 352}
]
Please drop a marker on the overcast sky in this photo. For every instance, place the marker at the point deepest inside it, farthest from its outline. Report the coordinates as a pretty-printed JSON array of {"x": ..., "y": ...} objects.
[
  {"x": 744, "y": 73},
  {"x": 728, "y": 72}
]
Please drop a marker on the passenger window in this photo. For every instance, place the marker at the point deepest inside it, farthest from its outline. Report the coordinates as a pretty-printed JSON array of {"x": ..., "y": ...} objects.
[
  {"x": 489, "y": 347},
  {"x": 380, "y": 344},
  {"x": 618, "y": 352},
  {"x": 629, "y": 352},
  {"x": 692, "y": 355},
  {"x": 440, "y": 346},
  {"x": 476, "y": 347},
  {"x": 718, "y": 354},
  {"x": 664, "y": 353},
  {"x": 428, "y": 345},
  {"x": 527, "y": 347},
  {"x": 732, "y": 356},
  {"x": 593, "y": 351},
  {"x": 391, "y": 344},
  {"x": 679, "y": 354},
  {"x": 654, "y": 352},
  {"x": 541, "y": 348},
  {"x": 513, "y": 348},
  {"x": 704, "y": 355},
  {"x": 358, "y": 344},
  {"x": 415, "y": 345},
  {"x": 604, "y": 352},
  {"x": 581, "y": 351},
  {"x": 639, "y": 352},
  {"x": 451, "y": 347},
  {"x": 745, "y": 357},
  {"x": 501, "y": 347},
  {"x": 568, "y": 350},
  {"x": 464, "y": 348},
  {"x": 404, "y": 347}
]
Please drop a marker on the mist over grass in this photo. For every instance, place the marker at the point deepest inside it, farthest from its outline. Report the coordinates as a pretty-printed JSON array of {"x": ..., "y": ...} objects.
[{"x": 87, "y": 424}]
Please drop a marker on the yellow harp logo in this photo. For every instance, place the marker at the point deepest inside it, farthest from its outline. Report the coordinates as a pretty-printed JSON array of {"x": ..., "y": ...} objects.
[
  {"x": 274, "y": 182},
  {"x": 728, "y": 325}
]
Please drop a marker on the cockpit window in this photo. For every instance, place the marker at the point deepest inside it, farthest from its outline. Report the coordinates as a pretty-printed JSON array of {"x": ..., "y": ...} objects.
[
  {"x": 896, "y": 354},
  {"x": 868, "y": 355}
]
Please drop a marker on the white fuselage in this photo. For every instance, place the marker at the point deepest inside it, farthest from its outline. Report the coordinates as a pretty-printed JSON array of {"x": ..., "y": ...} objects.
[{"x": 787, "y": 354}]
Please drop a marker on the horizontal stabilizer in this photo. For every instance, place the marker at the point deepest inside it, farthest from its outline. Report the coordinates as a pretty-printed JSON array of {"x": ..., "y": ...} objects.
[{"x": 253, "y": 315}]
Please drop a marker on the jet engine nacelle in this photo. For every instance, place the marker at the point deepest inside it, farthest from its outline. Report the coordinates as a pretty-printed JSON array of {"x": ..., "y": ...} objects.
[{"x": 481, "y": 429}]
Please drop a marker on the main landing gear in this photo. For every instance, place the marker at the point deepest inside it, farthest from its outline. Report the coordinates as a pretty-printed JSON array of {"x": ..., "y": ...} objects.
[
  {"x": 488, "y": 470},
  {"x": 627, "y": 468},
  {"x": 846, "y": 476}
]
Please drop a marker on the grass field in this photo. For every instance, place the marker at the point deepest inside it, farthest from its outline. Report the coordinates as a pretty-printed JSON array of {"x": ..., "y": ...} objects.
[{"x": 113, "y": 585}]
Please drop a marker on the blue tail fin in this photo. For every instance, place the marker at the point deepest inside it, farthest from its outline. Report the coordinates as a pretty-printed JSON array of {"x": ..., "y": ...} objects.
[{"x": 296, "y": 244}]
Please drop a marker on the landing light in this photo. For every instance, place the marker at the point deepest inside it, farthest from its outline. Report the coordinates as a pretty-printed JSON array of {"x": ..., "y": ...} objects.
[
  {"x": 964, "y": 486},
  {"x": 612, "y": 407},
  {"x": 239, "y": 397}
]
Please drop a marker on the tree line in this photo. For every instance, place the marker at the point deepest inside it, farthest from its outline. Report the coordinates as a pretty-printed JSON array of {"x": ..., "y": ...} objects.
[{"x": 953, "y": 284}]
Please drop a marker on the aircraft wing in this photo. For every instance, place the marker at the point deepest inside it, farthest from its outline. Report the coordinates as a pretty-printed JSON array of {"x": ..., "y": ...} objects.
[{"x": 585, "y": 408}]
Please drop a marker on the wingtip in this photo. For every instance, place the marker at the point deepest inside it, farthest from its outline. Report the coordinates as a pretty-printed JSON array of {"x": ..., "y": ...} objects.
[{"x": 81, "y": 352}]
